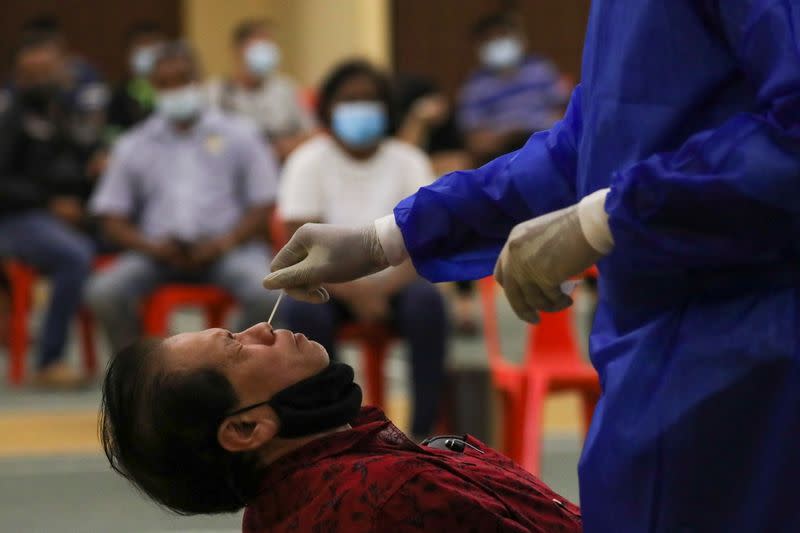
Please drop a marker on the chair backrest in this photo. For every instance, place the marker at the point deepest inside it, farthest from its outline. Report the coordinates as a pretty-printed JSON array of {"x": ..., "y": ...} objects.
[{"x": 551, "y": 341}]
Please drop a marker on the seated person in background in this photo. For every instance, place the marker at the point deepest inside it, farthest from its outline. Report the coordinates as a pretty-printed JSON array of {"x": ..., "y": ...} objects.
[
  {"x": 41, "y": 180},
  {"x": 426, "y": 120},
  {"x": 258, "y": 91},
  {"x": 352, "y": 176},
  {"x": 511, "y": 96},
  {"x": 134, "y": 99},
  {"x": 188, "y": 193},
  {"x": 211, "y": 422},
  {"x": 82, "y": 91}
]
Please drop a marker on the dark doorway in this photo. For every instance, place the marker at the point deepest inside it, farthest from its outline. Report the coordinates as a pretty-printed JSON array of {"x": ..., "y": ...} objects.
[
  {"x": 432, "y": 38},
  {"x": 95, "y": 29}
]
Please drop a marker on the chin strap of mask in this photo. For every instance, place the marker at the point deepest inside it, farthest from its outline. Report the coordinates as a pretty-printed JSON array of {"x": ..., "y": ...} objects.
[{"x": 319, "y": 403}]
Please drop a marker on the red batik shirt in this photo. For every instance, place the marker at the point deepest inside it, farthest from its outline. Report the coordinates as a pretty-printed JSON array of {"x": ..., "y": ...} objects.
[{"x": 373, "y": 478}]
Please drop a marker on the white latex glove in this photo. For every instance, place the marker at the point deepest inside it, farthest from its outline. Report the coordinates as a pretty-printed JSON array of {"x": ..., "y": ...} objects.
[
  {"x": 543, "y": 252},
  {"x": 324, "y": 253}
]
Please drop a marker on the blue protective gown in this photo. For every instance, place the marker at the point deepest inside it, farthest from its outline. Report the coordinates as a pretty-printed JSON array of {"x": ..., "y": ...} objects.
[{"x": 690, "y": 111}]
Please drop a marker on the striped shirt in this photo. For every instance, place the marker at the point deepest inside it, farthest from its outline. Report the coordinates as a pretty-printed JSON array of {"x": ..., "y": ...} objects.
[{"x": 528, "y": 100}]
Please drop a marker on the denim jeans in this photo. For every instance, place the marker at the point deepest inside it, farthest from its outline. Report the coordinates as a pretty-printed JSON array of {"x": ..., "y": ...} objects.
[
  {"x": 115, "y": 294},
  {"x": 417, "y": 314},
  {"x": 58, "y": 252}
]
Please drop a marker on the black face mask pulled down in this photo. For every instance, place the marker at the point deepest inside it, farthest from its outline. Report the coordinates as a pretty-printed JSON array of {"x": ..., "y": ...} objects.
[{"x": 324, "y": 401}]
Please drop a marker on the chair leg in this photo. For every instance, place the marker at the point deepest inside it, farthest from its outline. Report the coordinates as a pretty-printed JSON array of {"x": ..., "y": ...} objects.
[
  {"x": 18, "y": 339},
  {"x": 533, "y": 426},
  {"x": 513, "y": 416},
  {"x": 156, "y": 318},
  {"x": 374, "y": 354},
  {"x": 87, "y": 340}
]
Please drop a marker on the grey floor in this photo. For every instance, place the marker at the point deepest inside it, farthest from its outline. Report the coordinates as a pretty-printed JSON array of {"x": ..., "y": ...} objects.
[{"x": 80, "y": 493}]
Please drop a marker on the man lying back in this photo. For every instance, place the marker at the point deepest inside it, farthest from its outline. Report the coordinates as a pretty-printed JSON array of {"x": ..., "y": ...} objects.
[{"x": 214, "y": 421}]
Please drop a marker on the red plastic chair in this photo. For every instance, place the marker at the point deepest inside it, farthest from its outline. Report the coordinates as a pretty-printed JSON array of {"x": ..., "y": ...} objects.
[
  {"x": 158, "y": 307},
  {"x": 22, "y": 279},
  {"x": 551, "y": 363},
  {"x": 215, "y": 302},
  {"x": 375, "y": 340}
]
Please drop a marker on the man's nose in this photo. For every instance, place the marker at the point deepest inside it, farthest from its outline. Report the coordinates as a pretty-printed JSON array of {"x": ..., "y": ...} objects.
[{"x": 261, "y": 333}]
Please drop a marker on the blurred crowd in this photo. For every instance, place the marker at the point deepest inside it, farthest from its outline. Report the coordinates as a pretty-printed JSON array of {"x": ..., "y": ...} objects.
[{"x": 175, "y": 178}]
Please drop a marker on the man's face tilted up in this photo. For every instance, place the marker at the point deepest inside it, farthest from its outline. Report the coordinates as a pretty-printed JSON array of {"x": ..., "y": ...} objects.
[
  {"x": 193, "y": 419},
  {"x": 258, "y": 362}
]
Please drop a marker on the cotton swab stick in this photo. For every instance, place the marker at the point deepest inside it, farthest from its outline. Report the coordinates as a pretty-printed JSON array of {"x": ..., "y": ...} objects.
[{"x": 274, "y": 309}]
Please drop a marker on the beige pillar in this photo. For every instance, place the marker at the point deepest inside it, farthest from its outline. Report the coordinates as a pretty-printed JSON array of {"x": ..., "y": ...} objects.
[
  {"x": 320, "y": 33},
  {"x": 208, "y": 25},
  {"x": 313, "y": 34}
]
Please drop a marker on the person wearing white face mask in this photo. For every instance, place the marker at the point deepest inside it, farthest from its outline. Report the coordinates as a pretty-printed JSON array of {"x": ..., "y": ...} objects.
[
  {"x": 511, "y": 95},
  {"x": 187, "y": 196},
  {"x": 257, "y": 89},
  {"x": 134, "y": 99}
]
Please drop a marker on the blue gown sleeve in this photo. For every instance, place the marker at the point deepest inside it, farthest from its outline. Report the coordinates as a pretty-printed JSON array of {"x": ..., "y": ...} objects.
[
  {"x": 455, "y": 228},
  {"x": 728, "y": 197}
]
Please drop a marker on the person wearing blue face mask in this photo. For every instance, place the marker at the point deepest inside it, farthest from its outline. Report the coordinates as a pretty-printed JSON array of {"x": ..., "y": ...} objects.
[
  {"x": 511, "y": 95},
  {"x": 349, "y": 177},
  {"x": 257, "y": 90},
  {"x": 134, "y": 99}
]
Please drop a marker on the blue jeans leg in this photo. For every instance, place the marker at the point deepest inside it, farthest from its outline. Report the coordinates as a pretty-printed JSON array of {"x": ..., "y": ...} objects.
[
  {"x": 64, "y": 256},
  {"x": 420, "y": 317}
]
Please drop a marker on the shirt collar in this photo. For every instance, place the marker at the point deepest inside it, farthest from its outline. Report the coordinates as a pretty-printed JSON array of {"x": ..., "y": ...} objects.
[
  {"x": 162, "y": 129},
  {"x": 371, "y": 422}
]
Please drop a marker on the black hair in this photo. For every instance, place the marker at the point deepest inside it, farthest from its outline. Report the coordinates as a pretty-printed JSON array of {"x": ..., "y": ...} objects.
[
  {"x": 159, "y": 430},
  {"x": 32, "y": 40},
  {"x": 247, "y": 28},
  {"x": 177, "y": 50},
  {"x": 143, "y": 28},
  {"x": 343, "y": 73},
  {"x": 502, "y": 20}
]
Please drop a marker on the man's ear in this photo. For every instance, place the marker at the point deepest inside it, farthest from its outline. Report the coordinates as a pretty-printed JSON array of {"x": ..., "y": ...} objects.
[{"x": 248, "y": 431}]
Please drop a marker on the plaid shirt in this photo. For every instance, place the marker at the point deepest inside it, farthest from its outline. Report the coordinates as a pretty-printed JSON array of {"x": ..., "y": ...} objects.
[{"x": 373, "y": 478}]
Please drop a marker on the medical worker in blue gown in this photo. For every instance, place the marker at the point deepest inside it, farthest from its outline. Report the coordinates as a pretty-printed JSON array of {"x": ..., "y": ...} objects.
[{"x": 677, "y": 167}]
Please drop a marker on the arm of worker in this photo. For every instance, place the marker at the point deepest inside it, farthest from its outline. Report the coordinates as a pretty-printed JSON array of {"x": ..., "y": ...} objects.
[
  {"x": 454, "y": 228},
  {"x": 728, "y": 196}
]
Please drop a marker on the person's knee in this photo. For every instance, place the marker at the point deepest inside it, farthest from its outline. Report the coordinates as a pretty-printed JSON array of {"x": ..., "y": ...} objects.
[
  {"x": 74, "y": 256},
  {"x": 306, "y": 316},
  {"x": 103, "y": 295},
  {"x": 422, "y": 296},
  {"x": 95, "y": 294},
  {"x": 257, "y": 305}
]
